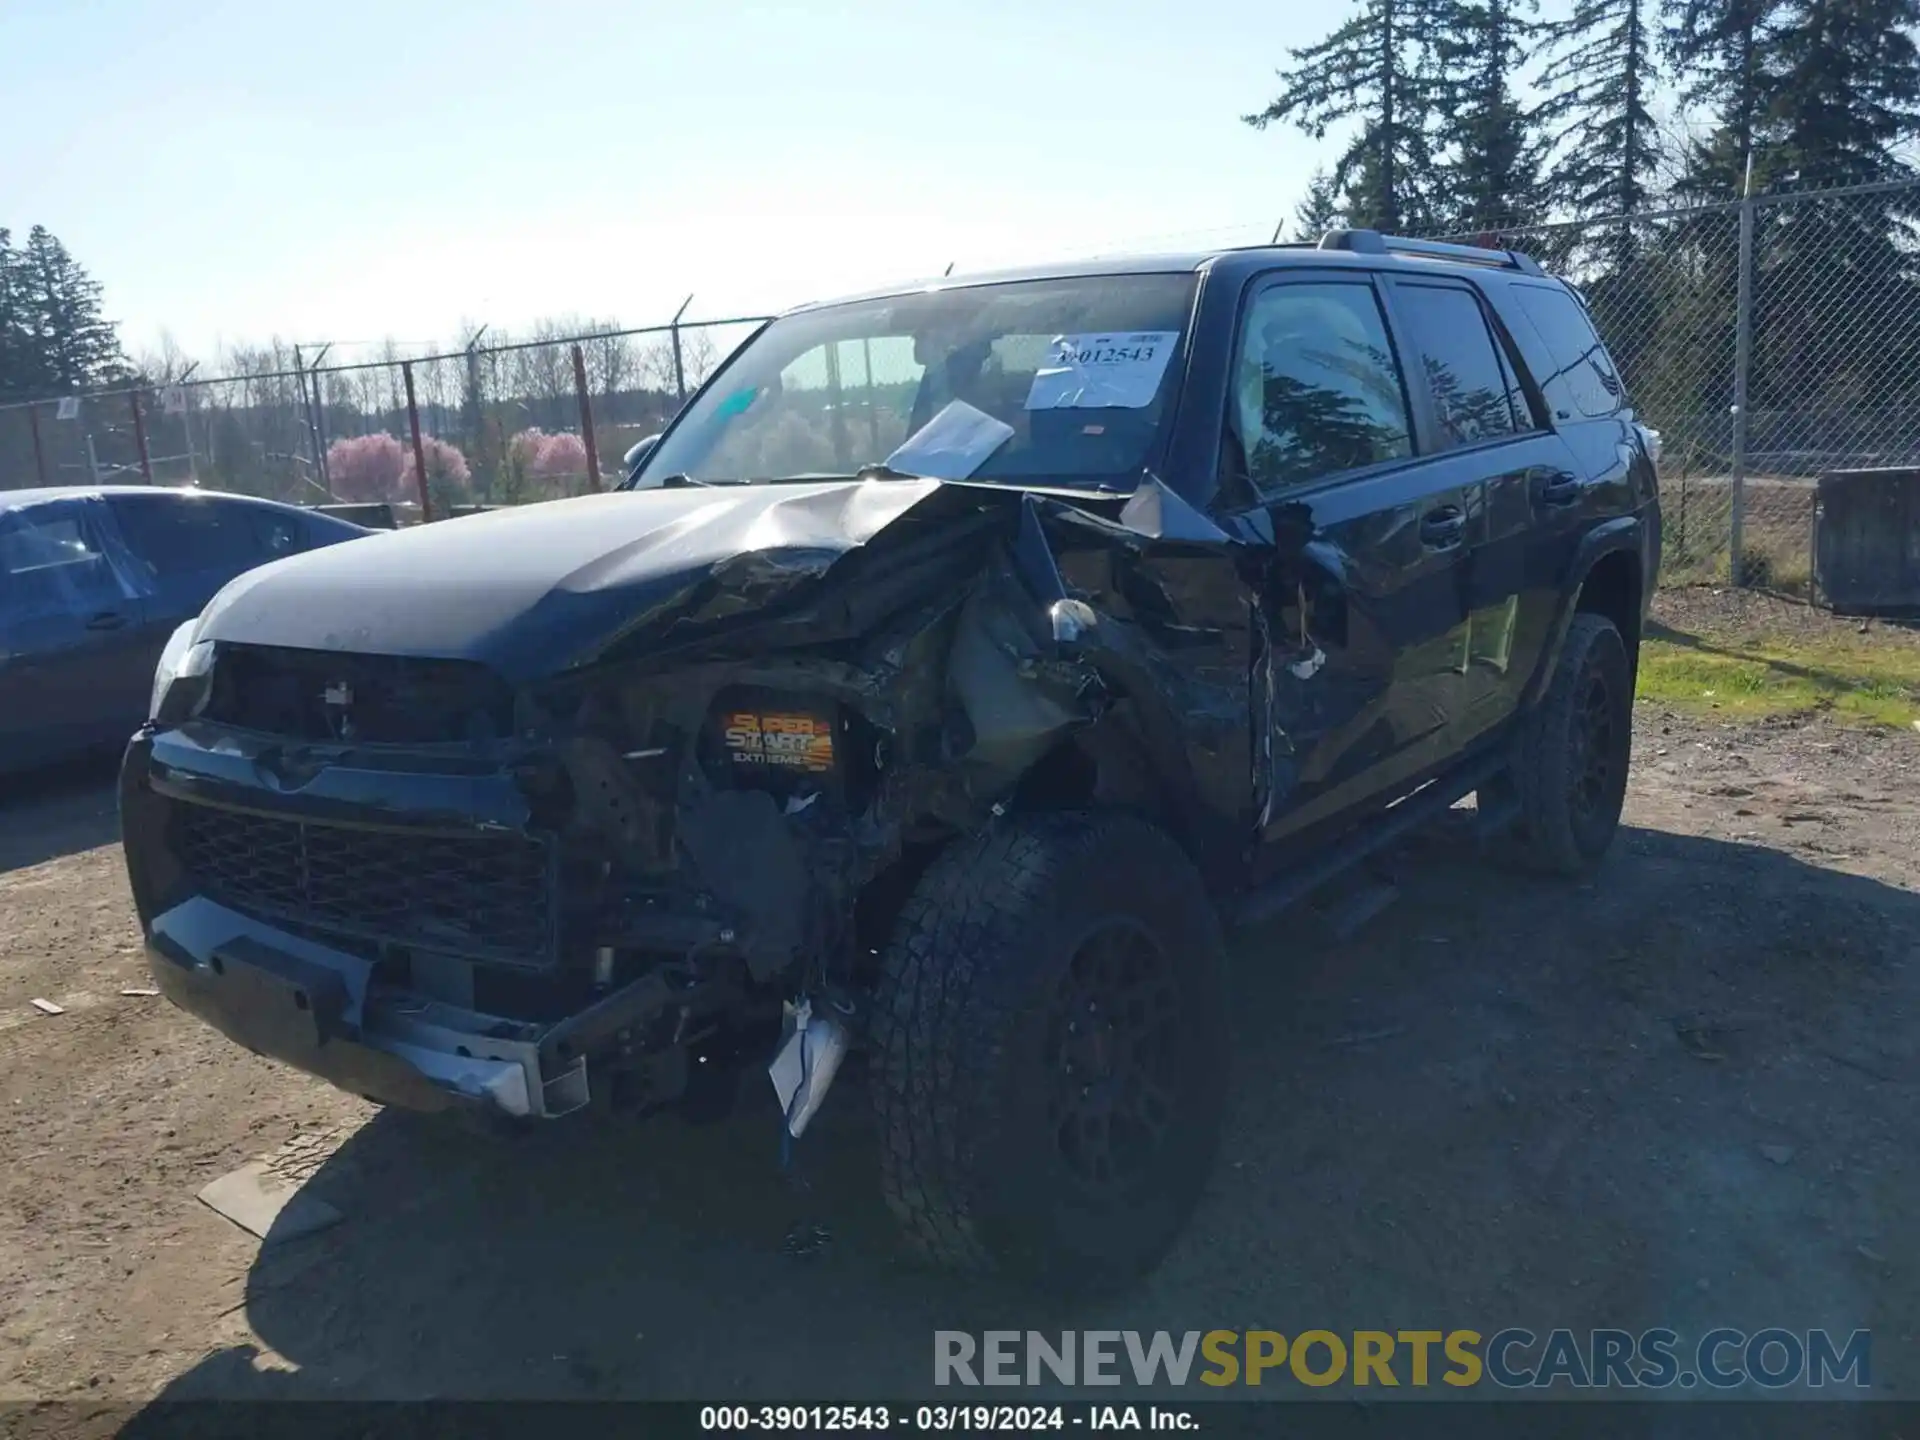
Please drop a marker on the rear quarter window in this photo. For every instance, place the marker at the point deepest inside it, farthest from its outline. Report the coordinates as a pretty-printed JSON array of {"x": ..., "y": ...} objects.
[{"x": 1579, "y": 374}]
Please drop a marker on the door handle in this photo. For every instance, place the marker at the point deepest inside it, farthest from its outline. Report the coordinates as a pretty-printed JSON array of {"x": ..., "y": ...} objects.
[
  {"x": 1443, "y": 527},
  {"x": 1555, "y": 487},
  {"x": 106, "y": 620}
]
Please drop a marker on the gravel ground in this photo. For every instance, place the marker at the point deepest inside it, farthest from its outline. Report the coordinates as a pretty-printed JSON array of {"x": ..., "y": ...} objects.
[
  {"x": 1682, "y": 1096},
  {"x": 1723, "y": 612}
]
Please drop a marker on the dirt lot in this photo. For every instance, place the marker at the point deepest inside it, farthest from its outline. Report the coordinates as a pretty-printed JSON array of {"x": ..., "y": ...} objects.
[{"x": 1682, "y": 1096}]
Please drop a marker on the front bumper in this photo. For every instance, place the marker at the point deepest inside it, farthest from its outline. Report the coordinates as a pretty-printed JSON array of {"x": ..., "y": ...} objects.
[
  {"x": 313, "y": 1002},
  {"x": 312, "y": 1007}
]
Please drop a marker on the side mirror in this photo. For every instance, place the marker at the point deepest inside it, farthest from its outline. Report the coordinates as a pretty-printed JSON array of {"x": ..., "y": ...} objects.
[{"x": 631, "y": 462}]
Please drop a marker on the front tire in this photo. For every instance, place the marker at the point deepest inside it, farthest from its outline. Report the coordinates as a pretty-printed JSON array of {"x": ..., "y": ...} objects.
[
  {"x": 1574, "y": 751},
  {"x": 1050, "y": 1051}
]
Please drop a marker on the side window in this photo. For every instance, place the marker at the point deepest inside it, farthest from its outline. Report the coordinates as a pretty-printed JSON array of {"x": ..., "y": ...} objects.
[
  {"x": 1457, "y": 356},
  {"x": 1316, "y": 388},
  {"x": 50, "y": 563},
  {"x": 36, "y": 543},
  {"x": 188, "y": 536},
  {"x": 1581, "y": 364}
]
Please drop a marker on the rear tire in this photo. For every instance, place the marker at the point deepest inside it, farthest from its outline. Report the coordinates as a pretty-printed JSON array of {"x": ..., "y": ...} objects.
[
  {"x": 1050, "y": 1046},
  {"x": 1574, "y": 751}
]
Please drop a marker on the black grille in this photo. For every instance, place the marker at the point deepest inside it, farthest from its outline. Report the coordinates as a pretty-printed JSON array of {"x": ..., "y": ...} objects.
[
  {"x": 488, "y": 897},
  {"x": 371, "y": 699}
]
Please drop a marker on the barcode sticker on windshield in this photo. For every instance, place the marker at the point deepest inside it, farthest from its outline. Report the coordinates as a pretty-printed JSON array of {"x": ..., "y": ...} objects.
[{"x": 1117, "y": 371}]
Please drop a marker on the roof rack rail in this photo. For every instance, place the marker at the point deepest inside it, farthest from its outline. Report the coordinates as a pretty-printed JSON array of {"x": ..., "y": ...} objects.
[{"x": 1372, "y": 242}]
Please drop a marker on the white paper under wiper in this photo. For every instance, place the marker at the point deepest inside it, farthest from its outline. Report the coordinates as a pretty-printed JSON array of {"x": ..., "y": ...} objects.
[{"x": 952, "y": 445}]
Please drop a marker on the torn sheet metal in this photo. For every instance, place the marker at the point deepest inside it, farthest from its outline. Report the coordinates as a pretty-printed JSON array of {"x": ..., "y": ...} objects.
[
  {"x": 1156, "y": 511},
  {"x": 1033, "y": 556}
]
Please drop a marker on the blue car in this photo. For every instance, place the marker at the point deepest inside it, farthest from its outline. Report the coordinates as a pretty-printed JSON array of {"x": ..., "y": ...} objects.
[{"x": 94, "y": 580}]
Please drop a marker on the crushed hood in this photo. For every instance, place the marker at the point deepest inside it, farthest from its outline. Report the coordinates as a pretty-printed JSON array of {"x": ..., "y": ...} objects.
[{"x": 540, "y": 589}]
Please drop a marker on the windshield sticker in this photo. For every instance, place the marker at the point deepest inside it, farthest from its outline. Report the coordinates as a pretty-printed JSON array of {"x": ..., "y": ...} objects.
[
  {"x": 1116, "y": 371},
  {"x": 737, "y": 403},
  {"x": 952, "y": 445}
]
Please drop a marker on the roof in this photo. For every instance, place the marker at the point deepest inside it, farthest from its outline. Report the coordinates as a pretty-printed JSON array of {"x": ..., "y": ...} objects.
[
  {"x": 20, "y": 499},
  {"x": 1401, "y": 251},
  {"x": 1176, "y": 264}
]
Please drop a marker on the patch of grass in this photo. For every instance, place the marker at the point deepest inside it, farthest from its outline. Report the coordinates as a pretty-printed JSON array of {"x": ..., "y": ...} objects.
[{"x": 1775, "y": 675}]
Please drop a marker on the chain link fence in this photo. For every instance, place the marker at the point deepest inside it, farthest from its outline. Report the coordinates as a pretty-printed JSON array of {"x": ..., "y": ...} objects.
[
  {"x": 502, "y": 423},
  {"x": 1769, "y": 341}
]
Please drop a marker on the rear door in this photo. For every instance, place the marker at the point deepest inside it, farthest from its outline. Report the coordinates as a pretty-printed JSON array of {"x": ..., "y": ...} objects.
[
  {"x": 1582, "y": 397},
  {"x": 190, "y": 544},
  {"x": 186, "y": 547},
  {"x": 1364, "y": 597},
  {"x": 71, "y": 662},
  {"x": 1489, "y": 428}
]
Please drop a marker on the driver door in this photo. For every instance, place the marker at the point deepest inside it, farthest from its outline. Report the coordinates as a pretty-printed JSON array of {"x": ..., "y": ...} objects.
[
  {"x": 1363, "y": 595},
  {"x": 71, "y": 671}
]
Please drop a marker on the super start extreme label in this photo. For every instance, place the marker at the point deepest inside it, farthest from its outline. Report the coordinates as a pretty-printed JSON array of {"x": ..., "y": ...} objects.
[{"x": 785, "y": 740}]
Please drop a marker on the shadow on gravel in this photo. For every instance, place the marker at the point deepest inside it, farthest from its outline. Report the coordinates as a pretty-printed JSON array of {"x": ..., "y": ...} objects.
[
  {"x": 1680, "y": 1096},
  {"x": 59, "y": 810}
]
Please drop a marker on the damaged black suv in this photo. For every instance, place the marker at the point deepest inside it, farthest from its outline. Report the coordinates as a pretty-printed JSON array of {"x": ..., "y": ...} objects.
[{"x": 956, "y": 666}]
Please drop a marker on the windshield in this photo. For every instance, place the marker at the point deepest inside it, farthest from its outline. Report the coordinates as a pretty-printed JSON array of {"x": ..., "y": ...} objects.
[{"x": 1063, "y": 380}]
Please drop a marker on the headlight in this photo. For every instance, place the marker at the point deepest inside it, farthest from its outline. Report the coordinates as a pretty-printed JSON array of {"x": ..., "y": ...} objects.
[{"x": 183, "y": 659}]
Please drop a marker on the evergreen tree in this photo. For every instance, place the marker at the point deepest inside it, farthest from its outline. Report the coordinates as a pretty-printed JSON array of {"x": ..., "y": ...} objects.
[
  {"x": 1489, "y": 165},
  {"x": 1723, "y": 51},
  {"x": 1846, "y": 90},
  {"x": 16, "y": 368},
  {"x": 1319, "y": 209},
  {"x": 1377, "y": 69},
  {"x": 73, "y": 345},
  {"x": 1600, "y": 84}
]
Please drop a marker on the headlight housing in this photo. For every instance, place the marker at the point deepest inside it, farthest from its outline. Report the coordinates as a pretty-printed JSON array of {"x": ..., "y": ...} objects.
[{"x": 184, "y": 658}]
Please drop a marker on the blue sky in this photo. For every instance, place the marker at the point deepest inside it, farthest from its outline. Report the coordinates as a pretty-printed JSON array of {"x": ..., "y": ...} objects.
[{"x": 346, "y": 170}]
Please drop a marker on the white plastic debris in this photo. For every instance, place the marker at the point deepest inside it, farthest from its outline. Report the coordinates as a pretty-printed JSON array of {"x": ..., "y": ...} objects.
[
  {"x": 1306, "y": 669},
  {"x": 267, "y": 1205},
  {"x": 806, "y": 1062},
  {"x": 47, "y": 1007}
]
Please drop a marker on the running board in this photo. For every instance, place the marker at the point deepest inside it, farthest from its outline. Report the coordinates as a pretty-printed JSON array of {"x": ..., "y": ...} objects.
[{"x": 1422, "y": 807}]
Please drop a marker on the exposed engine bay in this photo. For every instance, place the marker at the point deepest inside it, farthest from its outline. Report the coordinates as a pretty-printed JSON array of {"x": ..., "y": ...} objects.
[{"x": 633, "y": 865}]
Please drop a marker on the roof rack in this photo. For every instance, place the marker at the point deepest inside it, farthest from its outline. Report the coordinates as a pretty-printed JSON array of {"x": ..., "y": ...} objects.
[{"x": 1372, "y": 242}]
